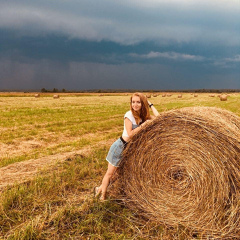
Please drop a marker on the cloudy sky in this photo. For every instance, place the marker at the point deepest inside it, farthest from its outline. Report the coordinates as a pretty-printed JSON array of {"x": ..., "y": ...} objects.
[{"x": 127, "y": 44}]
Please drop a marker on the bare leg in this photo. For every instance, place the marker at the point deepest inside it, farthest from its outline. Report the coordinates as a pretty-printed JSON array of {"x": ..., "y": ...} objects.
[{"x": 105, "y": 182}]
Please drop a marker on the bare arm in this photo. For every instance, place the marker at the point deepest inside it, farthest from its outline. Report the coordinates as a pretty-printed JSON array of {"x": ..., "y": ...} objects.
[
  {"x": 154, "y": 110},
  {"x": 129, "y": 129}
]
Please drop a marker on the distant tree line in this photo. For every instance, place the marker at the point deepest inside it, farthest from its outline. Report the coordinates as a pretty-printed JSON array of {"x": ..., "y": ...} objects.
[{"x": 55, "y": 90}]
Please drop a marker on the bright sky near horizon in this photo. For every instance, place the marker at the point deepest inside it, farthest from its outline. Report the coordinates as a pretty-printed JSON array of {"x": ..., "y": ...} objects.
[{"x": 129, "y": 44}]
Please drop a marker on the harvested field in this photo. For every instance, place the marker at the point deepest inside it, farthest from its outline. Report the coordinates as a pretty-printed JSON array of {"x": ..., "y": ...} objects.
[{"x": 53, "y": 154}]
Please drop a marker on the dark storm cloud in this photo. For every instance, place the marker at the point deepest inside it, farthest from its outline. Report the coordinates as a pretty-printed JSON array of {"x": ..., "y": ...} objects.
[
  {"x": 127, "y": 22},
  {"x": 127, "y": 44},
  {"x": 63, "y": 48}
]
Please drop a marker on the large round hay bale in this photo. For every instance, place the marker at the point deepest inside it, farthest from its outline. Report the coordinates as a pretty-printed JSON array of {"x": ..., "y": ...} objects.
[
  {"x": 183, "y": 168},
  {"x": 148, "y": 95},
  {"x": 223, "y": 97},
  {"x": 37, "y": 95},
  {"x": 56, "y": 96},
  {"x": 180, "y": 96}
]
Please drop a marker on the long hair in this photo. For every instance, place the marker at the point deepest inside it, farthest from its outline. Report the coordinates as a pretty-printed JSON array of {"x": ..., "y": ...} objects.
[{"x": 144, "y": 112}]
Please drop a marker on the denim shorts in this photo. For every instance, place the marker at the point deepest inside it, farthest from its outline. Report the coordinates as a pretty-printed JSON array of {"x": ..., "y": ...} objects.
[{"x": 115, "y": 152}]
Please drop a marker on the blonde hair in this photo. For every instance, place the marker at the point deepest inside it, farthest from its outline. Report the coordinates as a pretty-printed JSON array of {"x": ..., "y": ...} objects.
[{"x": 144, "y": 112}]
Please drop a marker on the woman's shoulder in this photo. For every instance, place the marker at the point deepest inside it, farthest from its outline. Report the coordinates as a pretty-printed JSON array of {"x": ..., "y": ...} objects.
[{"x": 128, "y": 114}]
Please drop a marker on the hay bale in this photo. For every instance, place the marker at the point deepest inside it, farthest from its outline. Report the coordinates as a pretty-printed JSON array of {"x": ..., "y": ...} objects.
[
  {"x": 148, "y": 95},
  {"x": 155, "y": 95},
  {"x": 184, "y": 169},
  {"x": 56, "y": 96},
  {"x": 164, "y": 95},
  {"x": 195, "y": 95},
  {"x": 180, "y": 96},
  {"x": 211, "y": 95},
  {"x": 223, "y": 97},
  {"x": 37, "y": 95}
]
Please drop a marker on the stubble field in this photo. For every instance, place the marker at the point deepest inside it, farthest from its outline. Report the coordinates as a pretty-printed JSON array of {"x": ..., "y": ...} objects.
[{"x": 53, "y": 154}]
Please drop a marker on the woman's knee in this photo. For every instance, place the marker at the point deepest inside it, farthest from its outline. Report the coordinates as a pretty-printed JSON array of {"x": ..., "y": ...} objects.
[{"x": 109, "y": 174}]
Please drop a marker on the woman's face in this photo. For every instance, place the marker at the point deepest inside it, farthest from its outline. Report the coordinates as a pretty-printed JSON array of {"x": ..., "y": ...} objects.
[{"x": 136, "y": 103}]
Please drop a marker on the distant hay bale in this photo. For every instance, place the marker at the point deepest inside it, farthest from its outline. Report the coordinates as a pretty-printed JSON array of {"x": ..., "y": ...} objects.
[
  {"x": 164, "y": 95},
  {"x": 195, "y": 95},
  {"x": 56, "y": 96},
  {"x": 223, "y": 97},
  {"x": 155, "y": 95},
  {"x": 183, "y": 169},
  {"x": 168, "y": 95},
  {"x": 148, "y": 95},
  {"x": 211, "y": 95},
  {"x": 180, "y": 96},
  {"x": 37, "y": 95}
]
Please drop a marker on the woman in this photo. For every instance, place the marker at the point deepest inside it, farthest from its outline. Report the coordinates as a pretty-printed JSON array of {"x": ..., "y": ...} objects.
[{"x": 134, "y": 120}]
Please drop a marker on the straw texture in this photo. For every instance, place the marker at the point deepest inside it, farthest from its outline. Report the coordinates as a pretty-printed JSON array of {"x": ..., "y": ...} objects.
[{"x": 184, "y": 168}]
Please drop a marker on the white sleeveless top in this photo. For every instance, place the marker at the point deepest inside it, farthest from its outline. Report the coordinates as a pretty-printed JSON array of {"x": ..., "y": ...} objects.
[{"x": 130, "y": 116}]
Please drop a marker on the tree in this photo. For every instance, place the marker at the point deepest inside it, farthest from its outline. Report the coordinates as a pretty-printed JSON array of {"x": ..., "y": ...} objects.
[{"x": 43, "y": 90}]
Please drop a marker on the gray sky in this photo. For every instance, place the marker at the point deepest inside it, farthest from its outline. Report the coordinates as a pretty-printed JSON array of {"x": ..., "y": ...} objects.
[{"x": 133, "y": 44}]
